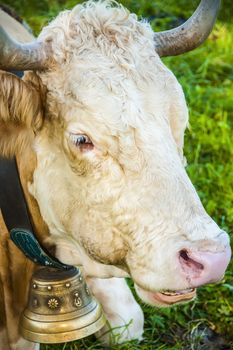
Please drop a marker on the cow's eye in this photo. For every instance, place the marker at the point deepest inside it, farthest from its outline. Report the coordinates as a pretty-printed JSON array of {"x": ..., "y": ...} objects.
[{"x": 82, "y": 141}]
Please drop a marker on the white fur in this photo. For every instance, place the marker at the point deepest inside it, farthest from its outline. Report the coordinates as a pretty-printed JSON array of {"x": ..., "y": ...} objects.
[
  {"x": 124, "y": 315},
  {"x": 127, "y": 204}
]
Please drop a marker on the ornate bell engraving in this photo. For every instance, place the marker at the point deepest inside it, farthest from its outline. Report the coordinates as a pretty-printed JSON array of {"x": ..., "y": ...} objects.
[
  {"x": 77, "y": 300},
  {"x": 60, "y": 308},
  {"x": 53, "y": 303}
]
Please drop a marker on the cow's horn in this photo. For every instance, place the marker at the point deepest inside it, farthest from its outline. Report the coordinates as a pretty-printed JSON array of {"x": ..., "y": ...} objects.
[
  {"x": 17, "y": 56},
  {"x": 189, "y": 35}
]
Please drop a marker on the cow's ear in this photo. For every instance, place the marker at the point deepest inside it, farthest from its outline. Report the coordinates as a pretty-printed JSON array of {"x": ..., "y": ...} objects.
[{"x": 21, "y": 112}]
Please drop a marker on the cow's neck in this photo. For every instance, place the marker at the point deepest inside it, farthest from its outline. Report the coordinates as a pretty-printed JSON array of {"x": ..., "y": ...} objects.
[{"x": 26, "y": 163}]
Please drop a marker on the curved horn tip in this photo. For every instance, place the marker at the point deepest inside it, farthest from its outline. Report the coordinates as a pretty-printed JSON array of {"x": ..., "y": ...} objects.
[{"x": 190, "y": 34}]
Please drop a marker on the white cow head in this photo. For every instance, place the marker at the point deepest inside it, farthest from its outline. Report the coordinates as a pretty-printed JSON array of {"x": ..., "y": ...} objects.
[{"x": 110, "y": 179}]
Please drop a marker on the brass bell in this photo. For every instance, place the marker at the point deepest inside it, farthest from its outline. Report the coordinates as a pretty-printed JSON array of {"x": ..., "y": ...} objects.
[{"x": 60, "y": 308}]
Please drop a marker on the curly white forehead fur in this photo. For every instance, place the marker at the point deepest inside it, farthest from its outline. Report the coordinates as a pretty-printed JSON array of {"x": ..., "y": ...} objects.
[{"x": 105, "y": 27}]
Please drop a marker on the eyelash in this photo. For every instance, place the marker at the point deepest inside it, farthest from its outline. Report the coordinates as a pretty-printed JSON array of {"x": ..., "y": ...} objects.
[
  {"x": 80, "y": 139},
  {"x": 82, "y": 142}
]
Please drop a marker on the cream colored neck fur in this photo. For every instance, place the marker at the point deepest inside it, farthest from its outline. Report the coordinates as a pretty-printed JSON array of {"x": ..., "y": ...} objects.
[{"x": 26, "y": 162}]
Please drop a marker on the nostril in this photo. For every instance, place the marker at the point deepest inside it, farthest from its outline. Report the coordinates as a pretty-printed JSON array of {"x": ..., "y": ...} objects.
[
  {"x": 188, "y": 263},
  {"x": 202, "y": 267},
  {"x": 184, "y": 255}
]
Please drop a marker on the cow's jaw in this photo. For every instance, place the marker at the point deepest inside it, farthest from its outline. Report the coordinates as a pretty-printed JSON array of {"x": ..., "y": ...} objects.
[{"x": 166, "y": 298}]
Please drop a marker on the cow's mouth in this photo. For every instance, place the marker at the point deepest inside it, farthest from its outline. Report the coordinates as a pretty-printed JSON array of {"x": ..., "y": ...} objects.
[
  {"x": 170, "y": 297},
  {"x": 166, "y": 298}
]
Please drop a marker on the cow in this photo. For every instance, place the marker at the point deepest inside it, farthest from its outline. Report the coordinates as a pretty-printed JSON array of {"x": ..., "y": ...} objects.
[{"x": 97, "y": 128}]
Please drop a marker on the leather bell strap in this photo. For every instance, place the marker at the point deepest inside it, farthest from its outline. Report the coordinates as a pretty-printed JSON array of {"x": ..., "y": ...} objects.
[
  {"x": 12, "y": 202},
  {"x": 31, "y": 248},
  {"x": 15, "y": 214}
]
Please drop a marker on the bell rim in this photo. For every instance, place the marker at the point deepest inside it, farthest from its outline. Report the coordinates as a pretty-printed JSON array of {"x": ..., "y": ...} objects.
[
  {"x": 55, "y": 338},
  {"x": 92, "y": 322}
]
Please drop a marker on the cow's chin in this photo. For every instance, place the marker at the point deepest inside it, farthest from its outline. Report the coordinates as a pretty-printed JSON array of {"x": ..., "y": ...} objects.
[{"x": 166, "y": 299}]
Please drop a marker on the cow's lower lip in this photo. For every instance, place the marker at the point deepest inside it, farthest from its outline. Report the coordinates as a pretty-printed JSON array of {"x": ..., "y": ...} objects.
[
  {"x": 165, "y": 298},
  {"x": 173, "y": 297}
]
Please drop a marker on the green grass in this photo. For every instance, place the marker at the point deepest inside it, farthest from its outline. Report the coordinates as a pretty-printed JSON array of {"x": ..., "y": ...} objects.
[{"x": 206, "y": 75}]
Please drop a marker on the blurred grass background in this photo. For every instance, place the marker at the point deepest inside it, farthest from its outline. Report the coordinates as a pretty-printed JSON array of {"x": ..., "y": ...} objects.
[{"x": 206, "y": 75}]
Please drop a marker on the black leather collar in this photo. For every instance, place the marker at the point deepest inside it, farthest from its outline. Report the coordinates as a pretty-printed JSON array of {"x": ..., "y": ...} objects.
[
  {"x": 12, "y": 201},
  {"x": 16, "y": 218}
]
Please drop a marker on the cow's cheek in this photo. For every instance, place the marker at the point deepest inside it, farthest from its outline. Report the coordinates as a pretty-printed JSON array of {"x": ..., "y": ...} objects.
[
  {"x": 103, "y": 250},
  {"x": 70, "y": 252},
  {"x": 96, "y": 237}
]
